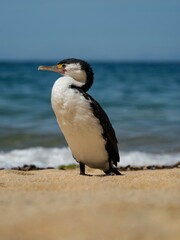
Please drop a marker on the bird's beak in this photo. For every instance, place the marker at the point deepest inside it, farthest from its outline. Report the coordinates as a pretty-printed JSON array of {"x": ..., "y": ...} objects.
[{"x": 50, "y": 68}]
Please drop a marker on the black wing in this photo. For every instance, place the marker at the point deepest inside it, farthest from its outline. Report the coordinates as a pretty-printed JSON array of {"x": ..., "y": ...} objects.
[{"x": 108, "y": 131}]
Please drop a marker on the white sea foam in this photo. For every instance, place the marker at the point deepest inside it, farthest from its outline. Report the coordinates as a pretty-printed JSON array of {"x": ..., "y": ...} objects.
[
  {"x": 41, "y": 157},
  {"x": 54, "y": 157}
]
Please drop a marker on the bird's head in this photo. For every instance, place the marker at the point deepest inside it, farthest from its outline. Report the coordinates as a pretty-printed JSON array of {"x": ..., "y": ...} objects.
[{"x": 78, "y": 69}]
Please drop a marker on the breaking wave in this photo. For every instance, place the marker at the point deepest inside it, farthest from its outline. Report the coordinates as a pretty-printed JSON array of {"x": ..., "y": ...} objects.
[{"x": 54, "y": 157}]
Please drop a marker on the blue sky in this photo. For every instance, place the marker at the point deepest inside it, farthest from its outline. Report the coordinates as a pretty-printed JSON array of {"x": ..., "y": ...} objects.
[{"x": 96, "y": 30}]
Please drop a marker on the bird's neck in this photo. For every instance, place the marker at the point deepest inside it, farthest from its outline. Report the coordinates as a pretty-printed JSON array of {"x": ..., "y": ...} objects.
[
  {"x": 67, "y": 82},
  {"x": 63, "y": 94}
]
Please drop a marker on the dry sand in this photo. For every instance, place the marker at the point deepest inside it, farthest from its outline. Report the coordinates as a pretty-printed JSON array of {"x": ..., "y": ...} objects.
[{"x": 57, "y": 204}]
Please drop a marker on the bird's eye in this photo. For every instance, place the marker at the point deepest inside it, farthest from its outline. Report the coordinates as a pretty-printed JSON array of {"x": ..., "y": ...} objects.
[{"x": 61, "y": 65}]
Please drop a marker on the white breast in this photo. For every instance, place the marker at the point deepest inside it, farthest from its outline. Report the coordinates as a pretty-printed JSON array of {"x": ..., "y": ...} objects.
[{"x": 81, "y": 129}]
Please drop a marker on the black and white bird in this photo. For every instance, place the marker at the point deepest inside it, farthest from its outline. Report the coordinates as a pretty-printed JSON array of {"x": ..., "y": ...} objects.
[{"x": 85, "y": 125}]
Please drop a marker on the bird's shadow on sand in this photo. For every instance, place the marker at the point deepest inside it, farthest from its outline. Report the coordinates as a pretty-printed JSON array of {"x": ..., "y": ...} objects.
[{"x": 103, "y": 175}]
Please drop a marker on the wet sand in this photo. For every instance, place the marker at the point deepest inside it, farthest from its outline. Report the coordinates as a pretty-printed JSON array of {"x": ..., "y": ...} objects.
[{"x": 61, "y": 204}]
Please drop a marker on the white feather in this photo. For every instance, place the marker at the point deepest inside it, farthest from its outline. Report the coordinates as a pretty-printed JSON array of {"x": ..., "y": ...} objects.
[{"x": 82, "y": 130}]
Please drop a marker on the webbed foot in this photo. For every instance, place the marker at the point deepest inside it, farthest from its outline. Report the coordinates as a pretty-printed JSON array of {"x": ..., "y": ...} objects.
[{"x": 112, "y": 172}]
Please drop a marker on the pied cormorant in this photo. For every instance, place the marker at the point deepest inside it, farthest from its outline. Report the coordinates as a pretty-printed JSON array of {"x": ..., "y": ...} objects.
[{"x": 85, "y": 125}]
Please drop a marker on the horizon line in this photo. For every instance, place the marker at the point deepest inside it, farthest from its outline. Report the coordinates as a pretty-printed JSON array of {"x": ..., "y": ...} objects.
[{"x": 97, "y": 60}]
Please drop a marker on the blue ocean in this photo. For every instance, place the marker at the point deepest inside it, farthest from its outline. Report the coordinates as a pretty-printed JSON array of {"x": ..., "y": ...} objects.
[{"x": 142, "y": 101}]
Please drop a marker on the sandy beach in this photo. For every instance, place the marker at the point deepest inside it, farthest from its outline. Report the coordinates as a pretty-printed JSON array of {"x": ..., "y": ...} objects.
[{"x": 61, "y": 204}]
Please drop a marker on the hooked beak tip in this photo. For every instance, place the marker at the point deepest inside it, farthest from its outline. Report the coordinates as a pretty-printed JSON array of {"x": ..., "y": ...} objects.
[{"x": 40, "y": 68}]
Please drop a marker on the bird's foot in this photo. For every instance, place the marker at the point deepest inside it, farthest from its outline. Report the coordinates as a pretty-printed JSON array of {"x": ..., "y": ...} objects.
[{"x": 112, "y": 172}]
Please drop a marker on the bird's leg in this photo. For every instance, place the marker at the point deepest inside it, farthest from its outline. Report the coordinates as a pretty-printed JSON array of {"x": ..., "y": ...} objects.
[
  {"x": 82, "y": 168},
  {"x": 112, "y": 170}
]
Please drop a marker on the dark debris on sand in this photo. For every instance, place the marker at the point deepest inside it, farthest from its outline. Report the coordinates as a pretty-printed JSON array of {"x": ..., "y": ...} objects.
[
  {"x": 150, "y": 167},
  {"x": 72, "y": 166},
  {"x": 29, "y": 168}
]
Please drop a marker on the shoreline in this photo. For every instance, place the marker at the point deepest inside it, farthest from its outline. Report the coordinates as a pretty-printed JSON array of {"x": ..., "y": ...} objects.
[
  {"x": 33, "y": 167},
  {"x": 54, "y": 204}
]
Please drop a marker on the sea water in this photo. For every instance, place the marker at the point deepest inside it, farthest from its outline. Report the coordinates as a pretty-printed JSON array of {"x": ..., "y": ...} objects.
[{"x": 142, "y": 101}]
